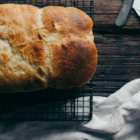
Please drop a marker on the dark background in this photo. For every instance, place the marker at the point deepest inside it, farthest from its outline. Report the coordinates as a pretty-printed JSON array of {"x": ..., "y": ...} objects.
[{"x": 118, "y": 48}]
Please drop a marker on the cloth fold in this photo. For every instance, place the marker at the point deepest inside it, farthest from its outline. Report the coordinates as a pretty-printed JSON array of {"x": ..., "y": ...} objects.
[
  {"x": 119, "y": 114},
  {"x": 136, "y": 6},
  {"x": 114, "y": 118},
  {"x": 121, "y": 107}
]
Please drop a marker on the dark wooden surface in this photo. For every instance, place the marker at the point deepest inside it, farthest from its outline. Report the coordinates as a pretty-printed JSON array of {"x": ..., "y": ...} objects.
[{"x": 118, "y": 48}]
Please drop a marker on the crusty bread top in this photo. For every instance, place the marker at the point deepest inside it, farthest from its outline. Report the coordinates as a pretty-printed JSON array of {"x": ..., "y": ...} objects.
[{"x": 49, "y": 47}]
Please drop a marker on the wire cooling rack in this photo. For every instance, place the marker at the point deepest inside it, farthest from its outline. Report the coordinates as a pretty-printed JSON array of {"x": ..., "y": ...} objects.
[{"x": 50, "y": 104}]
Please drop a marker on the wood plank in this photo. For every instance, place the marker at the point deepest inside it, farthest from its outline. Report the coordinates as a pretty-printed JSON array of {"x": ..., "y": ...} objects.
[
  {"x": 118, "y": 48},
  {"x": 117, "y": 60},
  {"x": 132, "y": 40},
  {"x": 109, "y": 90},
  {"x": 105, "y": 83},
  {"x": 105, "y": 23},
  {"x": 105, "y": 13},
  {"x": 117, "y": 52},
  {"x": 118, "y": 56},
  {"x": 107, "y": 6},
  {"x": 102, "y": 94},
  {"x": 118, "y": 71},
  {"x": 119, "y": 66},
  {"x": 114, "y": 78},
  {"x": 120, "y": 62},
  {"x": 105, "y": 20}
]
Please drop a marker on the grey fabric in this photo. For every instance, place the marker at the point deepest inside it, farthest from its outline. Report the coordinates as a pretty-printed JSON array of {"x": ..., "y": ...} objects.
[
  {"x": 114, "y": 118},
  {"x": 136, "y": 6}
]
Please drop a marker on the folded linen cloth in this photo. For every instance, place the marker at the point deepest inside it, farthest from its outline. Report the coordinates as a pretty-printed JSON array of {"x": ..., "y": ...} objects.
[
  {"x": 111, "y": 115},
  {"x": 114, "y": 118},
  {"x": 136, "y": 6}
]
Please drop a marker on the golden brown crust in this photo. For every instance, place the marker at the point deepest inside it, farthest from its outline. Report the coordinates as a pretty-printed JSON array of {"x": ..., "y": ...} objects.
[
  {"x": 75, "y": 57},
  {"x": 69, "y": 21},
  {"x": 45, "y": 47},
  {"x": 25, "y": 49},
  {"x": 74, "y": 63}
]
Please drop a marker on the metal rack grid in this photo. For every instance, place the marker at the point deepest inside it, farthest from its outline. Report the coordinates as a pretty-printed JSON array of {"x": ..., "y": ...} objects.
[{"x": 50, "y": 104}]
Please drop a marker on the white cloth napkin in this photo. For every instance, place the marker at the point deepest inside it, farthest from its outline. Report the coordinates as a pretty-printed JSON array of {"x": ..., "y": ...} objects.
[
  {"x": 136, "y": 6},
  {"x": 119, "y": 114},
  {"x": 114, "y": 118}
]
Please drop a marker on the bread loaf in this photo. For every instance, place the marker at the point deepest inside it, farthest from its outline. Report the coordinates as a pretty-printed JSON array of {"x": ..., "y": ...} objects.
[{"x": 48, "y": 47}]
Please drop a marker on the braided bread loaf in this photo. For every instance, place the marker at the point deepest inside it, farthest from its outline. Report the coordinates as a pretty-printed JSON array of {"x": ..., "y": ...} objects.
[{"x": 48, "y": 47}]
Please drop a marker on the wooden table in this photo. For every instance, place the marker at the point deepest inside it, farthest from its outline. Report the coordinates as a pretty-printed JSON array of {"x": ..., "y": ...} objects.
[{"x": 118, "y": 48}]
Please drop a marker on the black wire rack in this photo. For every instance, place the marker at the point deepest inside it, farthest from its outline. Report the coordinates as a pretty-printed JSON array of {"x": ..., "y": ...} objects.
[{"x": 50, "y": 104}]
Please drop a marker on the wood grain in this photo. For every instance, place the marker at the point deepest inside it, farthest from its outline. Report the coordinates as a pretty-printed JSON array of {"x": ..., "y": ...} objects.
[
  {"x": 118, "y": 48},
  {"x": 105, "y": 13},
  {"x": 107, "y": 6}
]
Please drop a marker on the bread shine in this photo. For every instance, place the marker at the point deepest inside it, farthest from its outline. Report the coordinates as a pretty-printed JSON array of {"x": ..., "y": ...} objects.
[{"x": 48, "y": 47}]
